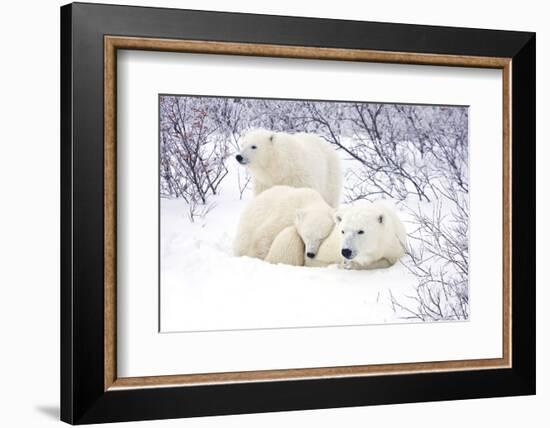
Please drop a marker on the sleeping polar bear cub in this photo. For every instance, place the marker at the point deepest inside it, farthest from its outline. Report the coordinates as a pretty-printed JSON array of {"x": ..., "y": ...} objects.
[
  {"x": 365, "y": 237},
  {"x": 287, "y": 248},
  {"x": 296, "y": 160},
  {"x": 276, "y": 209},
  {"x": 311, "y": 227}
]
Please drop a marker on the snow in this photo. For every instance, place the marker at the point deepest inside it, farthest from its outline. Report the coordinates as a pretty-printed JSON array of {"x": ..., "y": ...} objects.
[{"x": 204, "y": 287}]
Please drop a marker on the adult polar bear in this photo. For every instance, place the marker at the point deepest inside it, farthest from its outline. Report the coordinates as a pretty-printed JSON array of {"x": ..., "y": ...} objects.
[
  {"x": 276, "y": 209},
  {"x": 296, "y": 160},
  {"x": 365, "y": 237}
]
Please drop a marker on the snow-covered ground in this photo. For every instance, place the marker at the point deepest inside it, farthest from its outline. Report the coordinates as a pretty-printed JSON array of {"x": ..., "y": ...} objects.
[{"x": 204, "y": 287}]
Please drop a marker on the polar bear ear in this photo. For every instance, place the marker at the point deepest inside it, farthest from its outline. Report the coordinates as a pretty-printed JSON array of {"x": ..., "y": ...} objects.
[
  {"x": 337, "y": 216},
  {"x": 272, "y": 137}
]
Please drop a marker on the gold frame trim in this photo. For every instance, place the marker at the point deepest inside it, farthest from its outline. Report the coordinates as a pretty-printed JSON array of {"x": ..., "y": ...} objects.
[{"x": 112, "y": 43}]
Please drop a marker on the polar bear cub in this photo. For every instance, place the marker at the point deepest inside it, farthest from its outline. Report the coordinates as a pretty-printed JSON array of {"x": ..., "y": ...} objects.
[
  {"x": 274, "y": 210},
  {"x": 296, "y": 160},
  {"x": 287, "y": 248},
  {"x": 310, "y": 229},
  {"x": 365, "y": 237}
]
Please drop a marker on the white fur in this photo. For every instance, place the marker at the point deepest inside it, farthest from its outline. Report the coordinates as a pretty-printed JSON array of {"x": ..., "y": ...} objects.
[
  {"x": 296, "y": 160},
  {"x": 287, "y": 248},
  {"x": 276, "y": 209},
  {"x": 380, "y": 245},
  {"x": 312, "y": 226}
]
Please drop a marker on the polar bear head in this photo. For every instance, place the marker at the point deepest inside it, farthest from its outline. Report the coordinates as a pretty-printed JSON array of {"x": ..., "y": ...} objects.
[
  {"x": 314, "y": 225},
  {"x": 363, "y": 231},
  {"x": 256, "y": 148}
]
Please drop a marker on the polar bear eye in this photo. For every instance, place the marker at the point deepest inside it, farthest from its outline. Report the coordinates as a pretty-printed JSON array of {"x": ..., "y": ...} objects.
[
  {"x": 342, "y": 232},
  {"x": 361, "y": 232},
  {"x": 253, "y": 147}
]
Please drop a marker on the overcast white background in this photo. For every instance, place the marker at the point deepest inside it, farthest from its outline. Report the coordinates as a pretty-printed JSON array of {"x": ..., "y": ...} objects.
[{"x": 29, "y": 217}]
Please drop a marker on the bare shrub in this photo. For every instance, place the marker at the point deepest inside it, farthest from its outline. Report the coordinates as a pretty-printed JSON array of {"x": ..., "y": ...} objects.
[{"x": 192, "y": 154}]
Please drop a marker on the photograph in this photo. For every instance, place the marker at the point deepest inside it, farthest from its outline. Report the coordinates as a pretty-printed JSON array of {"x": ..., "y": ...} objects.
[
  {"x": 263, "y": 212},
  {"x": 291, "y": 213}
]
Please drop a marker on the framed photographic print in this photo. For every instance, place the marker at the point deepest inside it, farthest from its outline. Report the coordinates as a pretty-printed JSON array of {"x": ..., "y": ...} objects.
[{"x": 265, "y": 213}]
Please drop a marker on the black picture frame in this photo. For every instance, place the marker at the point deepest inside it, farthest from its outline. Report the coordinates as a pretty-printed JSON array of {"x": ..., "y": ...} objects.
[{"x": 83, "y": 397}]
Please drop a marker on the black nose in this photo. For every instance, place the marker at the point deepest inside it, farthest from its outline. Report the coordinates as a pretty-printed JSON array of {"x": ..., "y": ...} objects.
[
  {"x": 239, "y": 158},
  {"x": 310, "y": 255},
  {"x": 346, "y": 252}
]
